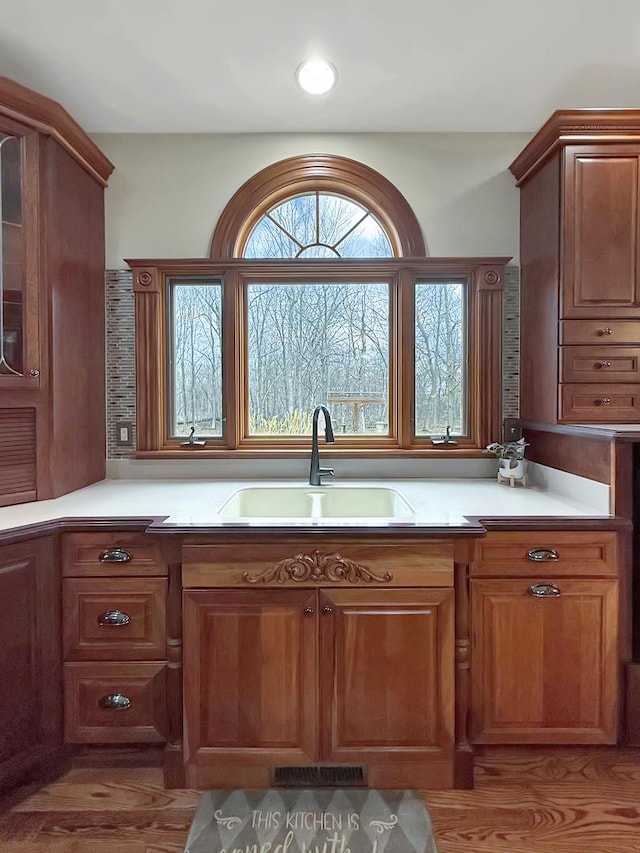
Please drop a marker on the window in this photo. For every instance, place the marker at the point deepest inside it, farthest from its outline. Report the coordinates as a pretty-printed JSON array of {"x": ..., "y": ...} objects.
[{"x": 319, "y": 293}]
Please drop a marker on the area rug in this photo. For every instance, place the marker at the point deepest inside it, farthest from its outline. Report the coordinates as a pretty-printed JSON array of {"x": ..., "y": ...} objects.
[{"x": 310, "y": 821}]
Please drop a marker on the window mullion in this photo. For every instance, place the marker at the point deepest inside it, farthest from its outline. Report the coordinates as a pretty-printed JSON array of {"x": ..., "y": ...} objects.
[
  {"x": 233, "y": 374},
  {"x": 405, "y": 355}
]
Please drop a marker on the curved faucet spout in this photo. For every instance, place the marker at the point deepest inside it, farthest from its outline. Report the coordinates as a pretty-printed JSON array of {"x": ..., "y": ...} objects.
[{"x": 316, "y": 471}]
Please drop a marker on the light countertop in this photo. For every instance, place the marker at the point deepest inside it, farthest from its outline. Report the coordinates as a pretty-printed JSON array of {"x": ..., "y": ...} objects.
[{"x": 436, "y": 503}]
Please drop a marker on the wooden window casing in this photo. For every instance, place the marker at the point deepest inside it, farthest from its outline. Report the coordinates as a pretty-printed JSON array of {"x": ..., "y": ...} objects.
[{"x": 483, "y": 279}]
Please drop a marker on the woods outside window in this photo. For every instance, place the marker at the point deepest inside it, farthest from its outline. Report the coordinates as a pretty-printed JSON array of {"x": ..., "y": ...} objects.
[{"x": 310, "y": 297}]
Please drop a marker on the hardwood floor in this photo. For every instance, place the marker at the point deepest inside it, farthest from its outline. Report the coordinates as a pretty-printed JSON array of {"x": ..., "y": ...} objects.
[{"x": 526, "y": 800}]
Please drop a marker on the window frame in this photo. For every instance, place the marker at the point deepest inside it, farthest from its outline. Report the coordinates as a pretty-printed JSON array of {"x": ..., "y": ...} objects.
[{"x": 485, "y": 278}]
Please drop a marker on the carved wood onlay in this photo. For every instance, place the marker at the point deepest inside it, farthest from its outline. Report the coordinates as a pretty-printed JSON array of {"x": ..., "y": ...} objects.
[
  {"x": 146, "y": 280},
  {"x": 490, "y": 278},
  {"x": 317, "y": 567}
]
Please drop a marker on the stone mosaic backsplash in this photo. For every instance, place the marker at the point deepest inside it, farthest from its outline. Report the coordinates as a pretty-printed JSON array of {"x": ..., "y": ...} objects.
[{"x": 121, "y": 367}]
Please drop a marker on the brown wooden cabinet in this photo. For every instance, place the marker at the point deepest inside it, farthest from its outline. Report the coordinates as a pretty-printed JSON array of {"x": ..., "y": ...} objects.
[
  {"x": 30, "y": 659},
  {"x": 319, "y": 670},
  {"x": 544, "y": 610},
  {"x": 52, "y": 425},
  {"x": 114, "y": 638},
  {"x": 386, "y": 683},
  {"x": 580, "y": 256}
]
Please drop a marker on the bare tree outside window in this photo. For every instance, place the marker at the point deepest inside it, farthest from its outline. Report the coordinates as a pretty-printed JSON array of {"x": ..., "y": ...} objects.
[
  {"x": 318, "y": 343},
  {"x": 196, "y": 365},
  {"x": 440, "y": 358},
  {"x": 318, "y": 225}
]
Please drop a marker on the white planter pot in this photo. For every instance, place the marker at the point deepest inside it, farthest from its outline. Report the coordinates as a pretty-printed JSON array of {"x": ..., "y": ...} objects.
[{"x": 512, "y": 475}]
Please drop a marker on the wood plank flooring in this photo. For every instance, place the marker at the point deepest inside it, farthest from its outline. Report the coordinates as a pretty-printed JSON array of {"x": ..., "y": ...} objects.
[{"x": 526, "y": 800}]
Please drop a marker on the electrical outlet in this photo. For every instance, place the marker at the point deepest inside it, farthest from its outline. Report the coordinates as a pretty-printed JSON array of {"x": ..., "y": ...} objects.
[
  {"x": 124, "y": 434},
  {"x": 512, "y": 429}
]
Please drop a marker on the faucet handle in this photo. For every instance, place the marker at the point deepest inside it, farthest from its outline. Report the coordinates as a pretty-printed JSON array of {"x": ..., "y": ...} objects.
[{"x": 329, "y": 472}]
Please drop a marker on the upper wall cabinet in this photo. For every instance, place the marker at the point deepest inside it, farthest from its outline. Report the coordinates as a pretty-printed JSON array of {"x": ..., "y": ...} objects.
[
  {"x": 52, "y": 179},
  {"x": 580, "y": 253}
]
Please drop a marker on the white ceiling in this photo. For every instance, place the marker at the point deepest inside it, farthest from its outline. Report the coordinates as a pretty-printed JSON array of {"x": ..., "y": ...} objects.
[{"x": 189, "y": 66}]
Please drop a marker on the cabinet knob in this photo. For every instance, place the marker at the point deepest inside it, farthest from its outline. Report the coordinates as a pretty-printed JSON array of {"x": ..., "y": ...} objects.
[
  {"x": 114, "y": 618},
  {"x": 328, "y": 610},
  {"x": 542, "y": 555},
  {"x": 606, "y": 331},
  {"x": 115, "y": 555},
  {"x": 309, "y": 611},
  {"x": 544, "y": 590},
  {"x": 604, "y": 364},
  {"x": 605, "y": 401},
  {"x": 114, "y": 702},
  {"x": 34, "y": 372}
]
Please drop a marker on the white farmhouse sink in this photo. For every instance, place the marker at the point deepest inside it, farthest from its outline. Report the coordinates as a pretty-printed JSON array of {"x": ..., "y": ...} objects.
[{"x": 316, "y": 502}]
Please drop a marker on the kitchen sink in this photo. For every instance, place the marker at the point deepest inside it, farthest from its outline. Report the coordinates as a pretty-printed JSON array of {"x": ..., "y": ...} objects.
[{"x": 316, "y": 502}]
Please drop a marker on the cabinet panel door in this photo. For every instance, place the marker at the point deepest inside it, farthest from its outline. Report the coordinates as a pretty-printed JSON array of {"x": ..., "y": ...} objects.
[
  {"x": 601, "y": 231},
  {"x": 20, "y": 365},
  {"x": 387, "y": 673},
  {"x": 30, "y": 659},
  {"x": 249, "y": 681},
  {"x": 544, "y": 670}
]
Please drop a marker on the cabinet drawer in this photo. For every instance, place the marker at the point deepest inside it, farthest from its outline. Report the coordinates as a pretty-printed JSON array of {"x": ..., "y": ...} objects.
[
  {"x": 600, "y": 364},
  {"x": 614, "y": 403},
  {"x": 114, "y": 619},
  {"x": 600, "y": 332},
  {"x": 546, "y": 553},
  {"x": 313, "y": 563},
  {"x": 93, "y": 692},
  {"x": 110, "y": 554}
]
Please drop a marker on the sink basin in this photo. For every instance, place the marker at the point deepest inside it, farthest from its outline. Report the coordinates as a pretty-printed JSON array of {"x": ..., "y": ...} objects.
[{"x": 316, "y": 502}]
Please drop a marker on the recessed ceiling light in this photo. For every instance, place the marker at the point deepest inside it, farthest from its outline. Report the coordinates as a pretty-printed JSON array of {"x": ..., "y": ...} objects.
[{"x": 316, "y": 76}]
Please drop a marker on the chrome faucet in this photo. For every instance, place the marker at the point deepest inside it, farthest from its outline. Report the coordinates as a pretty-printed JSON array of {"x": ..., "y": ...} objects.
[{"x": 316, "y": 471}]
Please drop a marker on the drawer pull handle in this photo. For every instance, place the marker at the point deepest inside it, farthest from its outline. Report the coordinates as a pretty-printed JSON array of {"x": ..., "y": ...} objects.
[
  {"x": 606, "y": 331},
  {"x": 605, "y": 401},
  {"x": 114, "y": 617},
  {"x": 115, "y": 555},
  {"x": 604, "y": 364},
  {"x": 114, "y": 702},
  {"x": 544, "y": 590},
  {"x": 542, "y": 555}
]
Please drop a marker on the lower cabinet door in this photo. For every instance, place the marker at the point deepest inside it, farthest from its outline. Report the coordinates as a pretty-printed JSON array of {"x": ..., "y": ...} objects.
[
  {"x": 387, "y": 684},
  {"x": 30, "y": 659},
  {"x": 544, "y": 661},
  {"x": 250, "y": 690}
]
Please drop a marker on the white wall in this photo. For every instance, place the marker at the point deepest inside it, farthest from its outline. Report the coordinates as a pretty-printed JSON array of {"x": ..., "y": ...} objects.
[{"x": 167, "y": 191}]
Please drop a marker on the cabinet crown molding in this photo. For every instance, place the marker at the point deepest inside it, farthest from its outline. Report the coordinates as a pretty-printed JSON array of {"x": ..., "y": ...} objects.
[
  {"x": 49, "y": 117},
  {"x": 566, "y": 127}
]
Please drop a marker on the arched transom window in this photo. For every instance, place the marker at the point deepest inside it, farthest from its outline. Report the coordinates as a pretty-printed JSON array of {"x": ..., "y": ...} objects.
[{"x": 318, "y": 225}]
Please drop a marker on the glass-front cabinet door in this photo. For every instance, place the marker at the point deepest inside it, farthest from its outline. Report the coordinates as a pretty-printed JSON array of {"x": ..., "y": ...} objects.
[{"x": 19, "y": 365}]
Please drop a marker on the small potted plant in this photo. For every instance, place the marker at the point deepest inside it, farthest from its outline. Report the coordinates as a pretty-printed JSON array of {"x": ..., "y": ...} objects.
[{"x": 511, "y": 461}]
